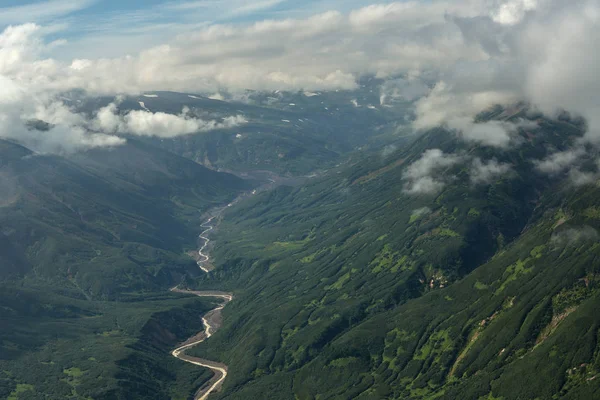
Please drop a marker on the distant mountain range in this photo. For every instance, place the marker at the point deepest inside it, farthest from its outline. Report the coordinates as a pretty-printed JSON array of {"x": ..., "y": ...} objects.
[{"x": 289, "y": 133}]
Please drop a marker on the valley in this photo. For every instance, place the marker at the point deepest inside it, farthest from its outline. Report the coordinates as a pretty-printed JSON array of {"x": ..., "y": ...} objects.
[
  {"x": 95, "y": 242},
  {"x": 385, "y": 294},
  {"x": 211, "y": 321},
  {"x": 349, "y": 287},
  {"x": 284, "y": 200}
]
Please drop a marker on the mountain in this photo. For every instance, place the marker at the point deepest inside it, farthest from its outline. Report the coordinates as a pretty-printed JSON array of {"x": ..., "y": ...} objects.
[
  {"x": 290, "y": 133},
  {"x": 96, "y": 206},
  {"x": 426, "y": 266},
  {"x": 358, "y": 285},
  {"x": 89, "y": 246},
  {"x": 91, "y": 241}
]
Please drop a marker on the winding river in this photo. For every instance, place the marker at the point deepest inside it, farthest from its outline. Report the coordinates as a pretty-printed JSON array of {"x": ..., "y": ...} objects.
[{"x": 211, "y": 320}]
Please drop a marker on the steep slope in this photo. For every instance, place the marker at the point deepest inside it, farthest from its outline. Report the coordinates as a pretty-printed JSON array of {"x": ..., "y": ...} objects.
[
  {"x": 89, "y": 246},
  {"x": 119, "y": 207},
  {"x": 521, "y": 326},
  {"x": 55, "y": 345},
  {"x": 355, "y": 287}
]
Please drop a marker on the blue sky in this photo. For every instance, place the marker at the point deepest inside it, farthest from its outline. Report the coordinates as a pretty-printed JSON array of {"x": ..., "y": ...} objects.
[{"x": 132, "y": 24}]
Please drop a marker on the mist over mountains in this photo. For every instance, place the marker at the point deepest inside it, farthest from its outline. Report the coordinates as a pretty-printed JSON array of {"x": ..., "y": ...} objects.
[{"x": 402, "y": 196}]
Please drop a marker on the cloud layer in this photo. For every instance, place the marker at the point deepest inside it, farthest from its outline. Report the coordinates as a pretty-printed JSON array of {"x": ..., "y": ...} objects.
[
  {"x": 425, "y": 176},
  {"x": 429, "y": 174},
  {"x": 455, "y": 58},
  {"x": 483, "y": 172},
  {"x": 159, "y": 124},
  {"x": 33, "y": 113},
  {"x": 466, "y": 39}
]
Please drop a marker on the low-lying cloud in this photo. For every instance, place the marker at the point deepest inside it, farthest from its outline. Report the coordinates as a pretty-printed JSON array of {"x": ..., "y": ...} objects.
[
  {"x": 405, "y": 89},
  {"x": 44, "y": 124},
  {"x": 580, "y": 165},
  {"x": 419, "y": 176},
  {"x": 428, "y": 174},
  {"x": 159, "y": 124},
  {"x": 457, "y": 58},
  {"x": 420, "y": 212},
  {"x": 574, "y": 236},
  {"x": 483, "y": 172},
  {"x": 33, "y": 113},
  {"x": 560, "y": 161},
  {"x": 577, "y": 177}
]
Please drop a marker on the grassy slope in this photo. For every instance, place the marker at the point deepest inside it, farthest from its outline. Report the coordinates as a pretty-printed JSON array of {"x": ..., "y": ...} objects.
[{"x": 344, "y": 293}]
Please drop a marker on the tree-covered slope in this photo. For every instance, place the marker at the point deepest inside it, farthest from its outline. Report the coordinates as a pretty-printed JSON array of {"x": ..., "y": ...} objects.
[
  {"x": 354, "y": 286},
  {"x": 109, "y": 220},
  {"x": 89, "y": 246}
]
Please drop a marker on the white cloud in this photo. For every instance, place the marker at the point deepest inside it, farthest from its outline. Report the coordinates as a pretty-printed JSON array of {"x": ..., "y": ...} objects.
[
  {"x": 490, "y": 133},
  {"x": 419, "y": 212},
  {"x": 216, "y": 96},
  {"x": 480, "y": 53},
  {"x": 23, "y": 106},
  {"x": 229, "y": 8},
  {"x": 405, "y": 89},
  {"x": 564, "y": 62},
  {"x": 160, "y": 124},
  {"x": 580, "y": 178},
  {"x": 322, "y": 52},
  {"x": 419, "y": 176},
  {"x": 577, "y": 163},
  {"x": 388, "y": 150},
  {"x": 482, "y": 172},
  {"x": 541, "y": 52},
  {"x": 560, "y": 161},
  {"x": 512, "y": 11},
  {"x": 444, "y": 107},
  {"x": 428, "y": 176},
  {"x": 31, "y": 91},
  {"x": 574, "y": 236}
]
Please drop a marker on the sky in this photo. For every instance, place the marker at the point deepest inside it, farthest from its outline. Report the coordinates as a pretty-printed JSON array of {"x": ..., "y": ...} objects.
[
  {"x": 112, "y": 28},
  {"x": 452, "y": 58}
]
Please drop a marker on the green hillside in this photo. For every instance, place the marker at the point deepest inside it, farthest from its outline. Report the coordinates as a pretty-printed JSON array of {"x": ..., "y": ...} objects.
[
  {"x": 286, "y": 132},
  {"x": 89, "y": 246},
  {"x": 356, "y": 284},
  {"x": 350, "y": 287}
]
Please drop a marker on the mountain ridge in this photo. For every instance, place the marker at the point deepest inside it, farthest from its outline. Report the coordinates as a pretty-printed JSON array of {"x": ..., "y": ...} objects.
[{"x": 387, "y": 303}]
